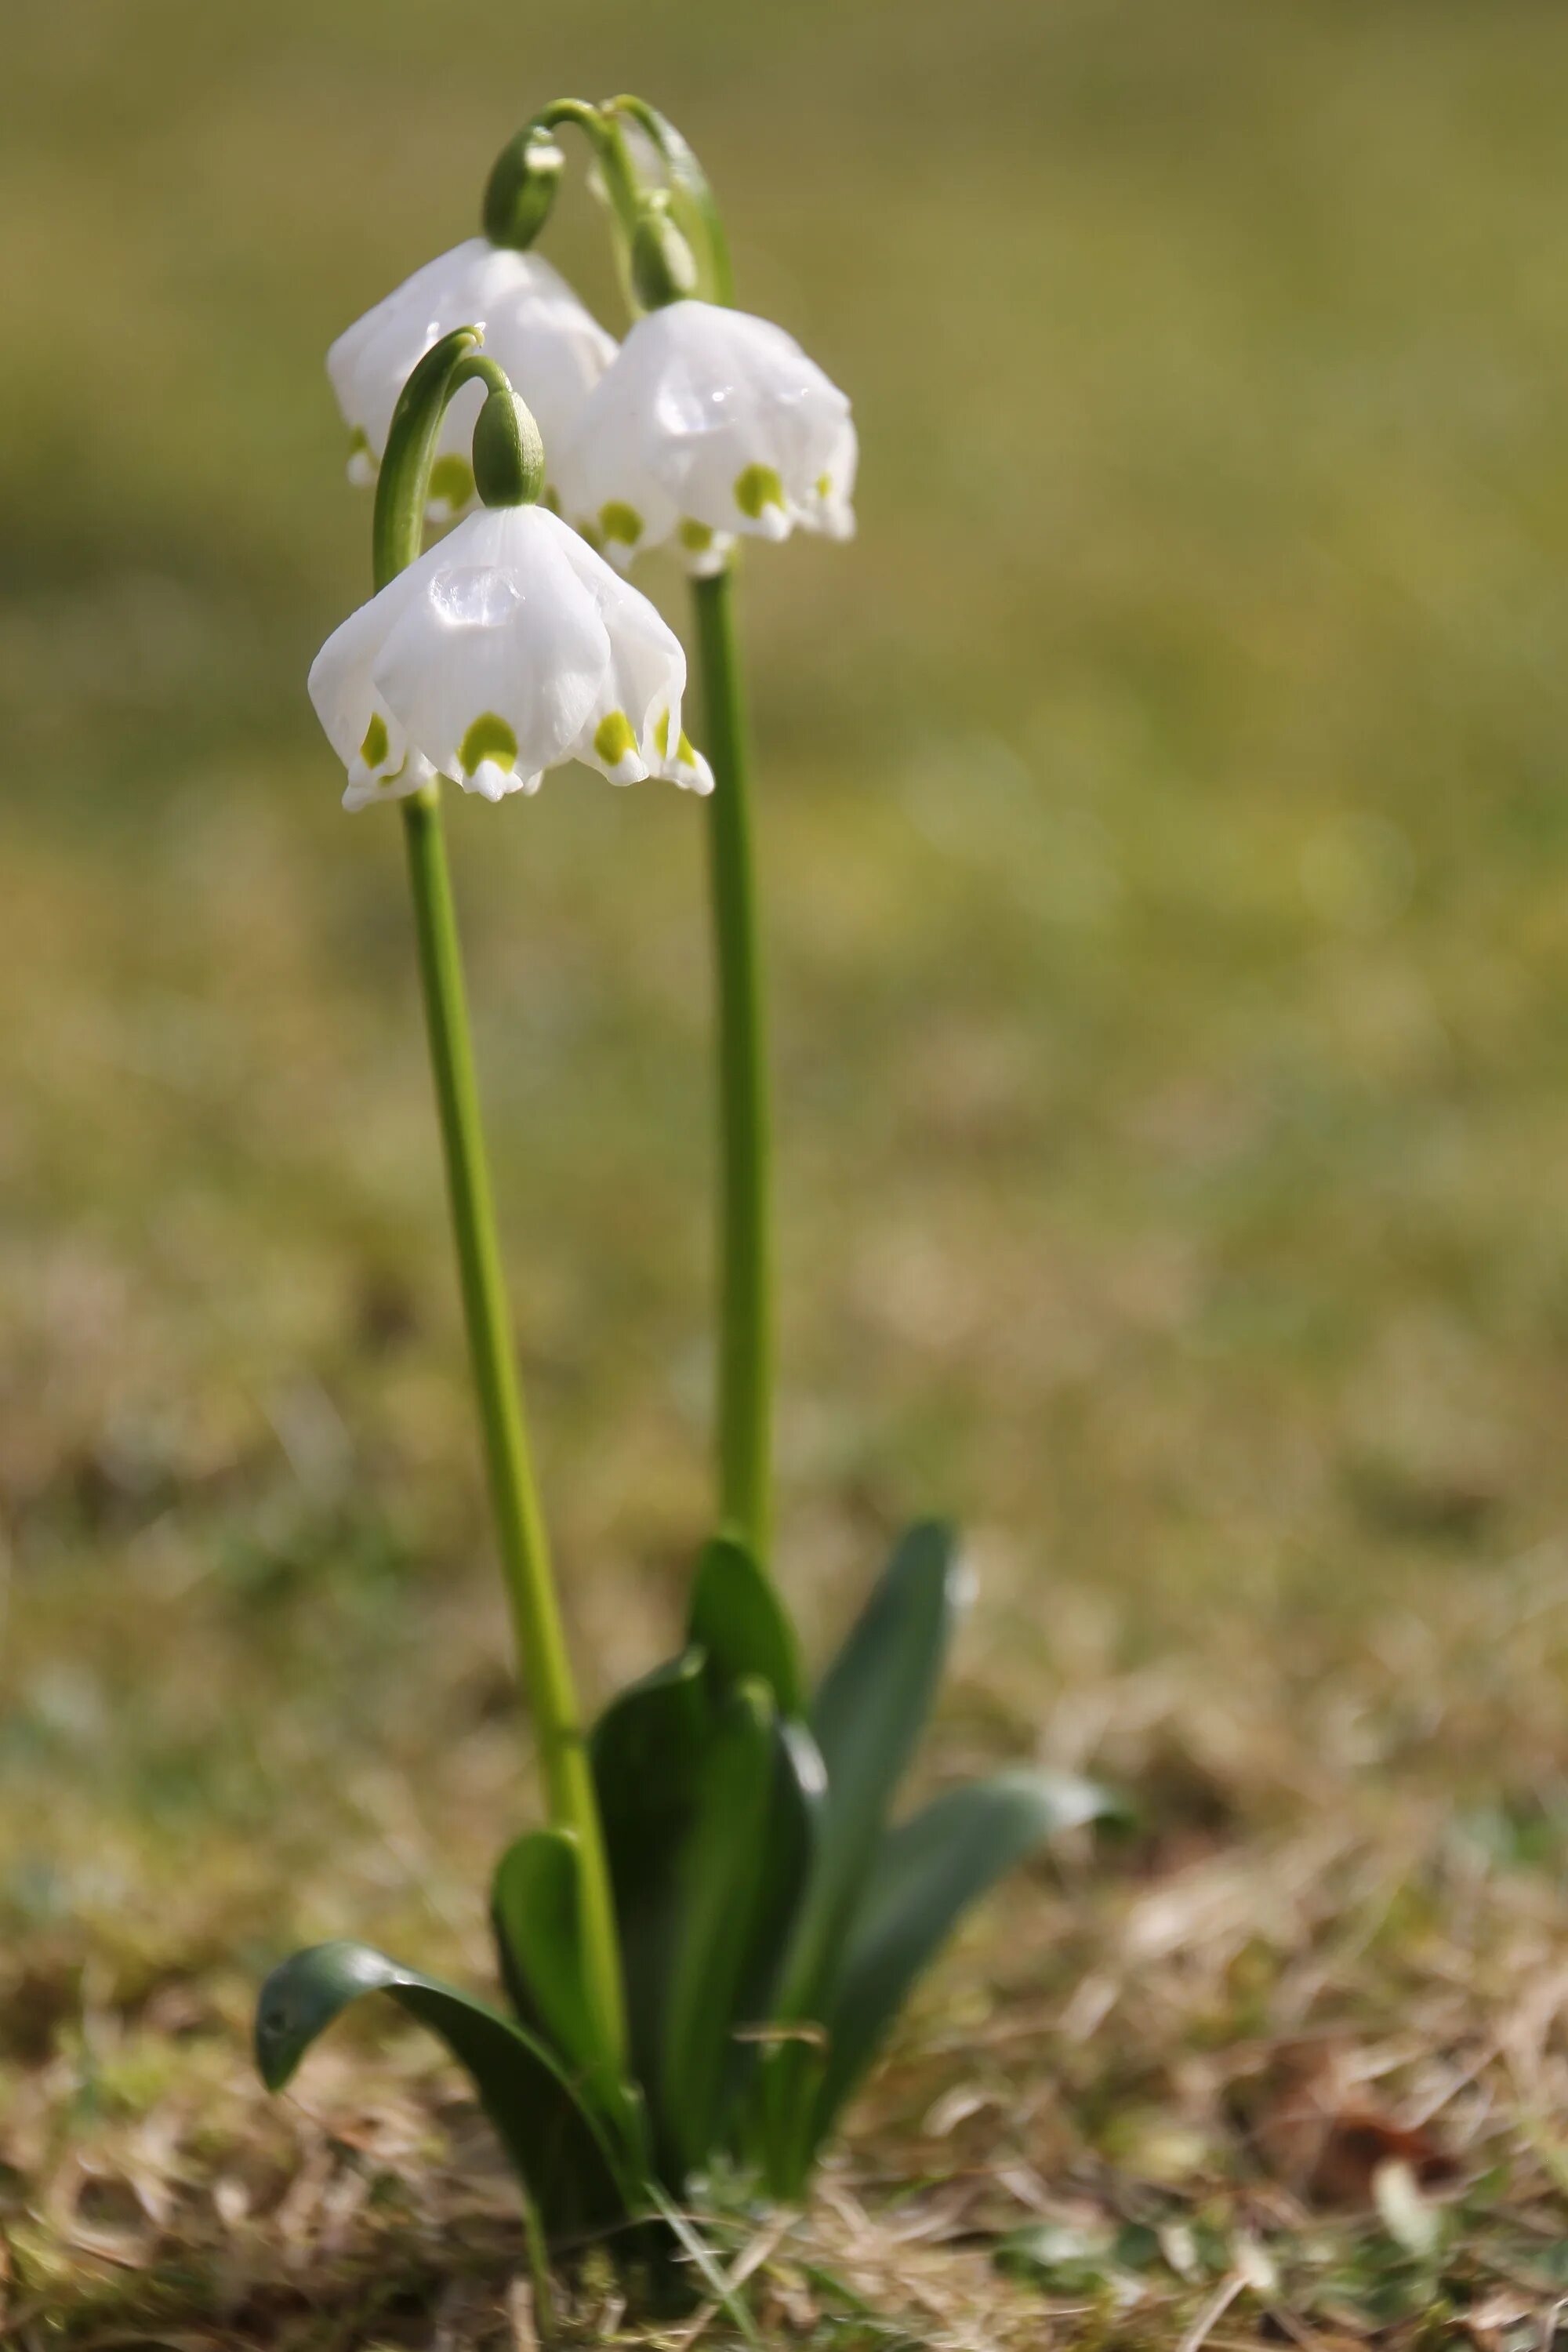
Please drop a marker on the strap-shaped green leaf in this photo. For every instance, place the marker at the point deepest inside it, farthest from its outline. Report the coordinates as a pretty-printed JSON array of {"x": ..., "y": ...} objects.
[
  {"x": 867, "y": 1716},
  {"x": 647, "y": 1752},
  {"x": 796, "y": 1808},
  {"x": 926, "y": 1873},
  {"x": 719, "y": 1873},
  {"x": 536, "y": 1911},
  {"x": 573, "y": 2175},
  {"x": 739, "y": 1618},
  {"x": 664, "y": 1771}
]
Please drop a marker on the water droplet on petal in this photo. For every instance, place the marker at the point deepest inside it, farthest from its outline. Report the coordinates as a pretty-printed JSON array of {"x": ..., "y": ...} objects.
[{"x": 478, "y": 597}]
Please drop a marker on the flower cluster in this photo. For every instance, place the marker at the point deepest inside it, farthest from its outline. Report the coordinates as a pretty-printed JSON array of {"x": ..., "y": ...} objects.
[
  {"x": 511, "y": 647},
  {"x": 705, "y": 425}
]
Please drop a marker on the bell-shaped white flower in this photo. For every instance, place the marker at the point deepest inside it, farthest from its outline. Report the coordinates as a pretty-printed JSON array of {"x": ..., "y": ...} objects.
[
  {"x": 707, "y": 424},
  {"x": 550, "y": 347},
  {"x": 507, "y": 648}
]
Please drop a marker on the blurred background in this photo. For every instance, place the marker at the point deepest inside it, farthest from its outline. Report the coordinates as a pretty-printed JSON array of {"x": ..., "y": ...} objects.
[{"x": 1164, "y": 841}]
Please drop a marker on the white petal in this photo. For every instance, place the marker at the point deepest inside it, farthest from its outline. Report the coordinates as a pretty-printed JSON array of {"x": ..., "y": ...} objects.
[
  {"x": 605, "y": 487},
  {"x": 534, "y": 325},
  {"x": 704, "y": 553},
  {"x": 687, "y": 767},
  {"x": 507, "y": 649},
  {"x": 368, "y": 785},
  {"x": 492, "y": 780},
  {"x": 339, "y": 681},
  {"x": 637, "y": 714},
  {"x": 720, "y": 416},
  {"x": 502, "y": 654},
  {"x": 829, "y": 509}
]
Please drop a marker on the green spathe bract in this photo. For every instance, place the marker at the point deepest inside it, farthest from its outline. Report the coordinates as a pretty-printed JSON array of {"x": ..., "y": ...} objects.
[{"x": 706, "y": 1941}]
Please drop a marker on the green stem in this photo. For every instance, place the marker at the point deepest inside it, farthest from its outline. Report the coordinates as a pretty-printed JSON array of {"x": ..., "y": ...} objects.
[
  {"x": 520, "y": 1526},
  {"x": 692, "y": 202},
  {"x": 746, "y": 1311}
]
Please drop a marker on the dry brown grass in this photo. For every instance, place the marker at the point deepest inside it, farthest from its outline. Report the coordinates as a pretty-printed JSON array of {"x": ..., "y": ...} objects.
[{"x": 1166, "y": 844}]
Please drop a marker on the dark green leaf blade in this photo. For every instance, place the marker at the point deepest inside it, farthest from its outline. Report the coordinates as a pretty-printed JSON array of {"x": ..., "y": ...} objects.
[
  {"x": 926, "y": 1873},
  {"x": 647, "y": 1751},
  {"x": 738, "y": 1617},
  {"x": 719, "y": 1873},
  {"x": 572, "y": 2174},
  {"x": 536, "y": 1913},
  {"x": 867, "y": 1717},
  {"x": 794, "y": 1828}
]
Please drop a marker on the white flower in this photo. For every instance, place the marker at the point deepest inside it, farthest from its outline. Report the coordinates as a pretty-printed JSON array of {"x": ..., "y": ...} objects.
[
  {"x": 707, "y": 422},
  {"x": 533, "y": 323},
  {"x": 507, "y": 648}
]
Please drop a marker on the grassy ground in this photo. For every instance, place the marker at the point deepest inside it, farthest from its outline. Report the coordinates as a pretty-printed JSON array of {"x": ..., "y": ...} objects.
[{"x": 1166, "y": 848}]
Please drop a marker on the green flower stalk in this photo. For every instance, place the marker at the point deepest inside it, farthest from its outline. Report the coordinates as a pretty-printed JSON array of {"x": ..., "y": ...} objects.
[
  {"x": 521, "y": 1534},
  {"x": 707, "y": 426},
  {"x": 746, "y": 1368},
  {"x": 492, "y": 669}
]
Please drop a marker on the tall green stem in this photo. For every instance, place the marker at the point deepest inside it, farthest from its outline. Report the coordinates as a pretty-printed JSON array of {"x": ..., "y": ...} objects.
[
  {"x": 520, "y": 1526},
  {"x": 746, "y": 1306}
]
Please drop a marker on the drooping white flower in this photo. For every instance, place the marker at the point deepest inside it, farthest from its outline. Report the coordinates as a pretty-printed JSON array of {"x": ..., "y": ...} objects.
[
  {"x": 507, "y": 648},
  {"x": 709, "y": 423},
  {"x": 533, "y": 325}
]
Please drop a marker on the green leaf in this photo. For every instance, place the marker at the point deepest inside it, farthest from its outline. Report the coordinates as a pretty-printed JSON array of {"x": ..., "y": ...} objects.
[
  {"x": 719, "y": 1876},
  {"x": 738, "y": 1617},
  {"x": 647, "y": 1752},
  {"x": 867, "y": 1717},
  {"x": 573, "y": 2175},
  {"x": 763, "y": 2068},
  {"x": 664, "y": 1757},
  {"x": 926, "y": 1873},
  {"x": 536, "y": 1911},
  {"x": 795, "y": 1826}
]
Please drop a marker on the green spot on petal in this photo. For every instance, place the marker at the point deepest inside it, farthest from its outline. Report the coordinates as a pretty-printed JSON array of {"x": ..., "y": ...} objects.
[
  {"x": 823, "y": 485},
  {"x": 613, "y": 738},
  {"x": 697, "y": 537},
  {"x": 662, "y": 734},
  {"x": 490, "y": 737},
  {"x": 452, "y": 480},
  {"x": 685, "y": 749},
  {"x": 757, "y": 486},
  {"x": 377, "y": 743},
  {"x": 620, "y": 522}
]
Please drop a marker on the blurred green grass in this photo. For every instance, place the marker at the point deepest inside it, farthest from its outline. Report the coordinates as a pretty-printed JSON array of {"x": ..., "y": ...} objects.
[{"x": 1167, "y": 845}]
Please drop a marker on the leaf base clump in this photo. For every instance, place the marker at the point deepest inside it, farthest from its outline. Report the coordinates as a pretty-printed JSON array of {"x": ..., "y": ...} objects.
[{"x": 771, "y": 1918}]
